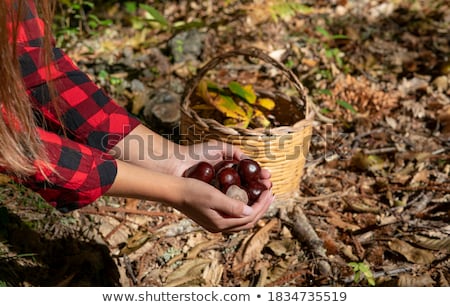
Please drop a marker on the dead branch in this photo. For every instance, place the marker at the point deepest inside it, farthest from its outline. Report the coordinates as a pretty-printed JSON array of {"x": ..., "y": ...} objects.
[
  {"x": 126, "y": 210},
  {"x": 305, "y": 233}
]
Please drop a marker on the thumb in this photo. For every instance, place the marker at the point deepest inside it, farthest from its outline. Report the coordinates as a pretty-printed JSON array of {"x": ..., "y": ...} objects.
[{"x": 236, "y": 208}]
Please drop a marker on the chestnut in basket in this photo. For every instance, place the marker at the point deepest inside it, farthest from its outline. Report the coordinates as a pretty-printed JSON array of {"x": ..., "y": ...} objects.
[{"x": 202, "y": 171}]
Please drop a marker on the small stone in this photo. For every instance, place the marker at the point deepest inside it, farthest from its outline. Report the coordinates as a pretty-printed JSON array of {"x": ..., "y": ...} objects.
[
  {"x": 186, "y": 46},
  {"x": 162, "y": 112},
  {"x": 237, "y": 193},
  {"x": 441, "y": 83}
]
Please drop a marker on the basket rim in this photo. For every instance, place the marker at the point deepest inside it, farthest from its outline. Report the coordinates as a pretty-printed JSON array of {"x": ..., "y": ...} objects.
[
  {"x": 214, "y": 126},
  {"x": 211, "y": 124}
]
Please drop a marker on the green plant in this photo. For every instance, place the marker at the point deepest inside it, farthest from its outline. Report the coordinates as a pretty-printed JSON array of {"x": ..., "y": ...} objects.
[
  {"x": 149, "y": 16},
  {"x": 333, "y": 53},
  {"x": 362, "y": 270},
  {"x": 77, "y": 16},
  {"x": 146, "y": 16},
  {"x": 104, "y": 76},
  {"x": 285, "y": 10},
  {"x": 346, "y": 105}
]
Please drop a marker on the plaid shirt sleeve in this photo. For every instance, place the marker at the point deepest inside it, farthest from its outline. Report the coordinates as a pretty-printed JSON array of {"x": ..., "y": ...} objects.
[
  {"x": 92, "y": 121},
  {"x": 81, "y": 173}
]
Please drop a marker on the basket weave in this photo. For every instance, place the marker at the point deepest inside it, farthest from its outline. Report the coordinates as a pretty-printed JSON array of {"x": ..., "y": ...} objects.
[{"x": 282, "y": 150}]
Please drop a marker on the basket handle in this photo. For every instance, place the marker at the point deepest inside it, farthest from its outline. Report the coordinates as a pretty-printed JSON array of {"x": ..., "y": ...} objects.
[{"x": 250, "y": 52}]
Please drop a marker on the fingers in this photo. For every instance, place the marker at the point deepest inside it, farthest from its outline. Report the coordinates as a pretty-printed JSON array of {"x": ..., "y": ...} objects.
[
  {"x": 260, "y": 208},
  {"x": 232, "y": 208},
  {"x": 265, "y": 174},
  {"x": 231, "y": 151},
  {"x": 233, "y": 223}
]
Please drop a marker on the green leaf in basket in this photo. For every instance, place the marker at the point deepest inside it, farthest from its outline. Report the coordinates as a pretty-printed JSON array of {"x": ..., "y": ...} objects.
[
  {"x": 212, "y": 86},
  {"x": 346, "y": 105},
  {"x": 238, "y": 116},
  {"x": 245, "y": 92},
  {"x": 266, "y": 103}
]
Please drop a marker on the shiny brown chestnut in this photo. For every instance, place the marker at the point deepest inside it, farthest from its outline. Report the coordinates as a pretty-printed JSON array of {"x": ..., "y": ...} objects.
[
  {"x": 203, "y": 171},
  {"x": 226, "y": 177},
  {"x": 249, "y": 170},
  {"x": 254, "y": 190}
]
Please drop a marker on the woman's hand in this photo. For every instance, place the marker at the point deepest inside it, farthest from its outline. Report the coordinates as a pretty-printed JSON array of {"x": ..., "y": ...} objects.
[
  {"x": 217, "y": 212},
  {"x": 201, "y": 202},
  {"x": 141, "y": 175},
  {"x": 207, "y": 205},
  {"x": 211, "y": 151}
]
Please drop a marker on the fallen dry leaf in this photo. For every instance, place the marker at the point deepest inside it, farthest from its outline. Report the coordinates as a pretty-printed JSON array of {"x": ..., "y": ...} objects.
[
  {"x": 411, "y": 253},
  {"x": 191, "y": 269},
  {"x": 251, "y": 248},
  {"x": 409, "y": 280}
]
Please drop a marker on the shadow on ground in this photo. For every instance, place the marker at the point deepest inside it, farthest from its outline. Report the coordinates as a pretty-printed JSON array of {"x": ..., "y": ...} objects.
[{"x": 33, "y": 259}]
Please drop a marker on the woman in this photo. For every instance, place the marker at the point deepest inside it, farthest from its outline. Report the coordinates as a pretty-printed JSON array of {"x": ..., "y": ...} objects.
[{"x": 65, "y": 138}]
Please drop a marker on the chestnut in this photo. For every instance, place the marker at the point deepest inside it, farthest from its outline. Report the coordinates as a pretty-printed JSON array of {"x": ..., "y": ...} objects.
[
  {"x": 226, "y": 177},
  {"x": 249, "y": 170},
  {"x": 254, "y": 190},
  {"x": 202, "y": 171}
]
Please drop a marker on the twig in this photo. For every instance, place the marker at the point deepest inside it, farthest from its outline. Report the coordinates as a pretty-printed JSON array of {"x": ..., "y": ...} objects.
[
  {"x": 358, "y": 138},
  {"x": 126, "y": 210},
  {"x": 322, "y": 197},
  {"x": 393, "y": 272},
  {"x": 377, "y": 151},
  {"x": 115, "y": 229},
  {"x": 283, "y": 280},
  {"x": 304, "y": 232},
  {"x": 129, "y": 269},
  {"x": 419, "y": 188},
  {"x": 320, "y": 116}
]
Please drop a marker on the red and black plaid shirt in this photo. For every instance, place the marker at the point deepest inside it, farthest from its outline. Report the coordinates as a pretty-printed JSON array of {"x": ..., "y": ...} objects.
[{"x": 94, "y": 123}]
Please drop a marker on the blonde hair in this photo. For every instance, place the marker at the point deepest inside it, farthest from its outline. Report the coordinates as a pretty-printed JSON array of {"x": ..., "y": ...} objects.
[{"x": 22, "y": 153}]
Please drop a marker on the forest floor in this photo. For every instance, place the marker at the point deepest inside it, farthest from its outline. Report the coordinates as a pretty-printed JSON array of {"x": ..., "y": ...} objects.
[{"x": 374, "y": 198}]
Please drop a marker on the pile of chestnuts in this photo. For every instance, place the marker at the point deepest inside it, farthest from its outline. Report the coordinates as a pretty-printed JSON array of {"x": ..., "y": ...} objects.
[{"x": 238, "y": 179}]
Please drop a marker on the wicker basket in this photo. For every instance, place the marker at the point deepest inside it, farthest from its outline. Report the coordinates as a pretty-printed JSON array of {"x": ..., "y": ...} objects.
[{"x": 282, "y": 149}]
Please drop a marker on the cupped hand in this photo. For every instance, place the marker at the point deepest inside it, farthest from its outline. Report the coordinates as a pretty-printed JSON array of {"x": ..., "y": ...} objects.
[
  {"x": 216, "y": 212},
  {"x": 211, "y": 151}
]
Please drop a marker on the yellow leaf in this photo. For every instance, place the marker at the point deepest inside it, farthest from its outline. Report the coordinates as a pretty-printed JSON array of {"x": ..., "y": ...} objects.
[
  {"x": 266, "y": 103},
  {"x": 202, "y": 91},
  {"x": 228, "y": 107},
  {"x": 259, "y": 119},
  {"x": 225, "y": 104},
  {"x": 231, "y": 122}
]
